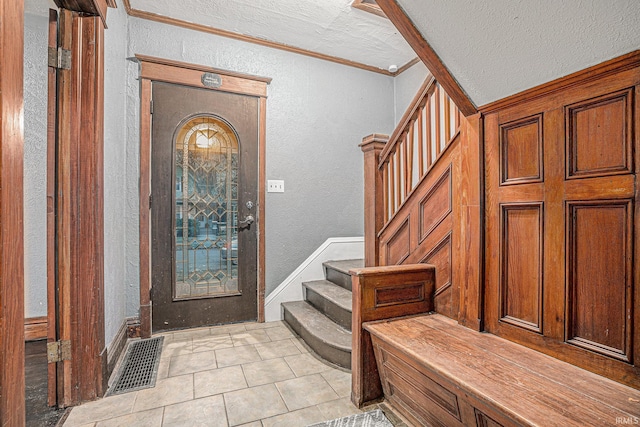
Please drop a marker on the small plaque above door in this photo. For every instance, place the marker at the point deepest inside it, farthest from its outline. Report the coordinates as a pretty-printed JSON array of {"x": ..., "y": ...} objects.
[{"x": 211, "y": 80}]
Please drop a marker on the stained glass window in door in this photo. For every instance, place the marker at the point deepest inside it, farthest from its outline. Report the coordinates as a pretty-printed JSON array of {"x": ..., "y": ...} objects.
[{"x": 206, "y": 209}]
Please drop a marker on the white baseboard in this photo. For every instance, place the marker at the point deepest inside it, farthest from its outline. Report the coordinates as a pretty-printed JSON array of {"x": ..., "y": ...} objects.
[{"x": 335, "y": 248}]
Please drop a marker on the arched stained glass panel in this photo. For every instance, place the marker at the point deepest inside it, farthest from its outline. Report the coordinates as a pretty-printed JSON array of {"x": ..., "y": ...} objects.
[{"x": 206, "y": 206}]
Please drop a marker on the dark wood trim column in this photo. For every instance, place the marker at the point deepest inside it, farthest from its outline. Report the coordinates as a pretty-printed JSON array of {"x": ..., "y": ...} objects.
[
  {"x": 12, "y": 388},
  {"x": 372, "y": 146},
  {"x": 470, "y": 226},
  {"x": 80, "y": 205}
]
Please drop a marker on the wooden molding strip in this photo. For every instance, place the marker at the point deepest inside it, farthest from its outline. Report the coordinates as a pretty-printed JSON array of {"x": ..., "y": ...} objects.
[
  {"x": 35, "y": 328},
  {"x": 612, "y": 66},
  {"x": 203, "y": 68},
  {"x": 408, "y": 65},
  {"x": 178, "y": 72},
  {"x": 425, "y": 52},
  {"x": 368, "y": 7},
  {"x": 136, "y": 13}
]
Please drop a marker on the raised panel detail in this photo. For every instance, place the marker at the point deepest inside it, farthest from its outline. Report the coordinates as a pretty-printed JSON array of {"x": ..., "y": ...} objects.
[
  {"x": 440, "y": 256},
  {"x": 521, "y": 151},
  {"x": 600, "y": 291},
  {"x": 397, "y": 247},
  {"x": 483, "y": 420},
  {"x": 399, "y": 295},
  {"x": 436, "y": 204},
  {"x": 599, "y": 133},
  {"x": 521, "y": 281},
  {"x": 413, "y": 382}
]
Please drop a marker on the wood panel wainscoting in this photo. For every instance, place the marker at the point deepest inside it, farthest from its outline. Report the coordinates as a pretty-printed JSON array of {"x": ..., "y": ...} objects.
[
  {"x": 562, "y": 224},
  {"x": 530, "y": 219}
]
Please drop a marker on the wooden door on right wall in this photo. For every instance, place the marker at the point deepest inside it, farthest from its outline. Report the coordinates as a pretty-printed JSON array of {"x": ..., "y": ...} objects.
[{"x": 561, "y": 228}]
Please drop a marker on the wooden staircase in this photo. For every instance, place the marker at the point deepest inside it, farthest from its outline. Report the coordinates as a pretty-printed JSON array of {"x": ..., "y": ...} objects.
[{"x": 323, "y": 319}]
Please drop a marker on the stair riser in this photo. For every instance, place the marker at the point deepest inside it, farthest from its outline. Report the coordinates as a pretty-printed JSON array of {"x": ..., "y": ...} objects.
[
  {"x": 338, "y": 277},
  {"x": 336, "y": 356},
  {"x": 333, "y": 311}
]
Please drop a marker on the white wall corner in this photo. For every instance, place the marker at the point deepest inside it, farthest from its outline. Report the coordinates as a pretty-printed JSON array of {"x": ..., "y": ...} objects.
[{"x": 333, "y": 249}]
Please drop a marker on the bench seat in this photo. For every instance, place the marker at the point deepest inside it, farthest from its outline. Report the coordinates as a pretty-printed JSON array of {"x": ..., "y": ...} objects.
[{"x": 436, "y": 372}]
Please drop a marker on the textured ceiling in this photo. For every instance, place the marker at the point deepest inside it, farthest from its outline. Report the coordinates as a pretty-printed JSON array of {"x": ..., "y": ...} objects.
[
  {"x": 329, "y": 27},
  {"x": 500, "y": 47}
]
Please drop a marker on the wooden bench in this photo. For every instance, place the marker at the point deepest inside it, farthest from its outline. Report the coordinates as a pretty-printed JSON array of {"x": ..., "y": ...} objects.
[{"x": 436, "y": 372}]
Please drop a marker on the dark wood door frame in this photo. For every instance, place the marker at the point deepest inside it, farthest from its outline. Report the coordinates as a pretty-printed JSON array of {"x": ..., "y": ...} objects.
[
  {"x": 162, "y": 70},
  {"x": 12, "y": 386},
  {"x": 78, "y": 287}
]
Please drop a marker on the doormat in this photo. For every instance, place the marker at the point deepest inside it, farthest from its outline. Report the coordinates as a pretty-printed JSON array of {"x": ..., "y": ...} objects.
[
  {"x": 139, "y": 368},
  {"x": 374, "y": 418}
]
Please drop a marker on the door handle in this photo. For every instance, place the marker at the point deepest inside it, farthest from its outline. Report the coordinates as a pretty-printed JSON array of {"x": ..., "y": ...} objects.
[{"x": 247, "y": 221}]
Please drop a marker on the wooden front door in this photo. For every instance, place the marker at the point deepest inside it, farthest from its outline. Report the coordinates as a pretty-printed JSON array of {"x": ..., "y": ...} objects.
[
  {"x": 561, "y": 226},
  {"x": 204, "y": 182}
]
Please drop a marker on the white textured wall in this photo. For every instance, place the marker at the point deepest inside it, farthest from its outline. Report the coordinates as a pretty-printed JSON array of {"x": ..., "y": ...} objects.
[
  {"x": 406, "y": 86},
  {"x": 500, "y": 47},
  {"x": 115, "y": 179},
  {"x": 35, "y": 157},
  {"x": 317, "y": 113}
]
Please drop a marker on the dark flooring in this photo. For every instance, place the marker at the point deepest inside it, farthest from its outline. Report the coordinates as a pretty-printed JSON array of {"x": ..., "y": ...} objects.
[{"x": 39, "y": 414}]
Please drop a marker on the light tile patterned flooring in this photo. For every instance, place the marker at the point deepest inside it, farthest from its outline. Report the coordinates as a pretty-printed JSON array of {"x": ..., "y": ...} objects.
[{"x": 251, "y": 374}]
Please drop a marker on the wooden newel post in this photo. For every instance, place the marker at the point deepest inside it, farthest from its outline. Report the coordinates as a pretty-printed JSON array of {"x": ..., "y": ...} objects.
[
  {"x": 381, "y": 293},
  {"x": 372, "y": 146}
]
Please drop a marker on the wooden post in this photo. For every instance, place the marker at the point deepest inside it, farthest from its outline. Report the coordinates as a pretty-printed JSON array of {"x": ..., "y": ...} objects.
[
  {"x": 12, "y": 387},
  {"x": 471, "y": 231},
  {"x": 80, "y": 206},
  {"x": 381, "y": 293},
  {"x": 372, "y": 146}
]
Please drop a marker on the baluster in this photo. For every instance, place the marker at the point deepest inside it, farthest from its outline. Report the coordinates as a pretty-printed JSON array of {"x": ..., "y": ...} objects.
[
  {"x": 392, "y": 184},
  {"x": 385, "y": 185},
  {"x": 409, "y": 161},
  {"x": 428, "y": 138},
  {"x": 436, "y": 108},
  {"x": 398, "y": 178},
  {"x": 447, "y": 118},
  {"x": 420, "y": 143}
]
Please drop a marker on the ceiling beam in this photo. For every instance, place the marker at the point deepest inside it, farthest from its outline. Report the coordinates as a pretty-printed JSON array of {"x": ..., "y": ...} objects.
[{"x": 425, "y": 52}]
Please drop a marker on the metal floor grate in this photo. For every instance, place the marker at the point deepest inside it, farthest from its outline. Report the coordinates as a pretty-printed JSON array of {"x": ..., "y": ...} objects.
[{"x": 139, "y": 367}]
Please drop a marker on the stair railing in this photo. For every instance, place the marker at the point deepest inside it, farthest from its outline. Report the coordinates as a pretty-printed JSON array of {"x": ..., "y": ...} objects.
[{"x": 394, "y": 166}]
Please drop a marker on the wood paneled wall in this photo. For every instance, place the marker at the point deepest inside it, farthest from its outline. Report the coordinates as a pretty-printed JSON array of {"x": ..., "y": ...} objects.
[
  {"x": 422, "y": 231},
  {"x": 440, "y": 224},
  {"x": 561, "y": 220},
  {"x": 12, "y": 387}
]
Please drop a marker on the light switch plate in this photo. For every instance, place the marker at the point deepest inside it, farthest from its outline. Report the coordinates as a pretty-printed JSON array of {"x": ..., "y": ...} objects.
[{"x": 275, "y": 186}]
